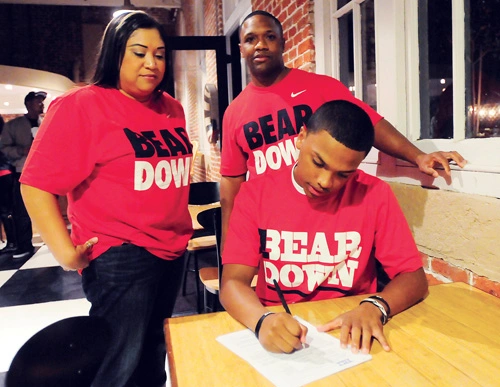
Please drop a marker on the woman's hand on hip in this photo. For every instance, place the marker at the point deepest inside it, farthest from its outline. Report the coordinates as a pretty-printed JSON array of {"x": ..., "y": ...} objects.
[{"x": 80, "y": 258}]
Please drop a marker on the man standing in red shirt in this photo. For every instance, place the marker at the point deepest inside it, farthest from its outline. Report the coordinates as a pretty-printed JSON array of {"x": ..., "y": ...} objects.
[{"x": 261, "y": 125}]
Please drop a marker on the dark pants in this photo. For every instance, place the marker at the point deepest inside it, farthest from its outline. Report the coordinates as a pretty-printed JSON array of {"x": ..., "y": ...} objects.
[
  {"x": 22, "y": 221},
  {"x": 134, "y": 291},
  {"x": 7, "y": 208},
  {"x": 6, "y": 202}
]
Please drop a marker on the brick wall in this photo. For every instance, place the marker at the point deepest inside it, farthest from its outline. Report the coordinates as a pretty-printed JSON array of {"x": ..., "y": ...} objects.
[
  {"x": 297, "y": 19},
  {"x": 440, "y": 271}
]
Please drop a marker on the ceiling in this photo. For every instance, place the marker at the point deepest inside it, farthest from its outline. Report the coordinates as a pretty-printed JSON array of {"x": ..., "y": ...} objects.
[
  {"x": 101, "y": 3},
  {"x": 16, "y": 82}
]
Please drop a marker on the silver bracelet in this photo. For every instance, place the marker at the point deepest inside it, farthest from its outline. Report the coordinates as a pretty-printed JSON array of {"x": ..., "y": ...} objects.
[
  {"x": 383, "y": 301},
  {"x": 384, "y": 318}
]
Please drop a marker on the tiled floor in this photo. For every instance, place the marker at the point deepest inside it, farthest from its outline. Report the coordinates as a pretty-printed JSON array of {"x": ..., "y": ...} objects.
[{"x": 37, "y": 292}]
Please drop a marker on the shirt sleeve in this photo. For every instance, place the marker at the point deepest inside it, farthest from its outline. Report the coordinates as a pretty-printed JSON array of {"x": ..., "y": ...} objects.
[
  {"x": 243, "y": 240},
  {"x": 233, "y": 159},
  {"x": 395, "y": 247},
  {"x": 64, "y": 151}
]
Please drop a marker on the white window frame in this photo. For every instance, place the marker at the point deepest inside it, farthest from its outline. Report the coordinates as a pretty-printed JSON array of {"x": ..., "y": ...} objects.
[
  {"x": 398, "y": 99},
  {"x": 233, "y": 17}
]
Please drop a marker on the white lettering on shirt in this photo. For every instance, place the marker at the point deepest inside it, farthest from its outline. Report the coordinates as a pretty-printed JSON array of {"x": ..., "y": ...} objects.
[
  {"x": 285, "y": 151},
  {"x": 166, "y": 171},
  {"x": 311, "y": 262}
]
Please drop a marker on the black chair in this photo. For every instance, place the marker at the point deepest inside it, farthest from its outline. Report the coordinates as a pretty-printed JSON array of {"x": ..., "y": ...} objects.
[
  {"x": 200, "y": 194},
  {"x": 66, "y": 353},
  {"x": 211, "y": 277},
  {"x": 205, "y": 192}
]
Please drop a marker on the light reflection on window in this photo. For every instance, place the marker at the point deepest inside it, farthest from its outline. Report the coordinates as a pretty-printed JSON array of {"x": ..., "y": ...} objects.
[{"x": 482, "y": 69}]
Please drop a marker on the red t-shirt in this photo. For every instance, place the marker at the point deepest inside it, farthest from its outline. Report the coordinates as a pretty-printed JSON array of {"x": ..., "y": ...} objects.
[
  {"x": 124, "y": 168},
  {"x": 261, "y": 125},
  {"x": 318, "y": 249}
]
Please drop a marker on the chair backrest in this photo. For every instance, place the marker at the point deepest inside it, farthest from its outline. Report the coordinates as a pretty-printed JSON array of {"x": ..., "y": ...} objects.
[
  {"x": 205, "y": 192},
  {"x": 66, "y": 353},
  {"x": 206, "y": 219},
  {"x": 211, "y": 221}
]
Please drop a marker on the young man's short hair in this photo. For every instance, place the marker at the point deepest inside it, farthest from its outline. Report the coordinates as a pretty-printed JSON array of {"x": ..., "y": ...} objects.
[{"x": 345, "y": 122}]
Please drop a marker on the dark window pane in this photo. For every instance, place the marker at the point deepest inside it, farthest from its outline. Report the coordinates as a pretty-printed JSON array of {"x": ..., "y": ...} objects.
[
  {"x": 436, "y": 91},
  {"x": 482, "y": 66},
  {"x": 483, "y": 69},
  {"x": 346, "y": 53},
  {"x": 369, "y": 66}
]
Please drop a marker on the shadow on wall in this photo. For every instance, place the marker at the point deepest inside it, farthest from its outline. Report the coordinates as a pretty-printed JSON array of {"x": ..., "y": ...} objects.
[
  {"x": 413, "y": 207},
  {"x": 412, "y": 201}
]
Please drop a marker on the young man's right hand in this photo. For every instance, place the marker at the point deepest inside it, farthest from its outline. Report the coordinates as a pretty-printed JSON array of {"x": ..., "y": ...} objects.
[{"x": 280, "y": 332}]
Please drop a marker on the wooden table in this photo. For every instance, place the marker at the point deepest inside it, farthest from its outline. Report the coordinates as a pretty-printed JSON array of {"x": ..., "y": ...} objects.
[{"x": 450, "y": 339}]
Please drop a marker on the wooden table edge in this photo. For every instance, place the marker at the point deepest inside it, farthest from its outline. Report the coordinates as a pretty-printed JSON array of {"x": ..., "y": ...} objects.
[{"x": 170, "y": 355}]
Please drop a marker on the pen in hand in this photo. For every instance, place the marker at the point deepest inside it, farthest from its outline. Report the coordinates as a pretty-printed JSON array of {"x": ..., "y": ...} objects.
[
  {"x": 287, "y": 309},
  {"x": 281, "y": 296}
]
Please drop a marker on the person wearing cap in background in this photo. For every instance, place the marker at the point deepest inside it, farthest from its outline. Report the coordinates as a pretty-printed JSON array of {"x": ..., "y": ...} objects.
[
  {"x": 15, "y": 143},
  {"x": 5, "y": 185}
]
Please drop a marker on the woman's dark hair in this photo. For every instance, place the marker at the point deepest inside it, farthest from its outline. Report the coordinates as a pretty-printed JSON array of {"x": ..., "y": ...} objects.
[
  {"x": 345, "y": 122},
  {"x": 113, "y": 44}
]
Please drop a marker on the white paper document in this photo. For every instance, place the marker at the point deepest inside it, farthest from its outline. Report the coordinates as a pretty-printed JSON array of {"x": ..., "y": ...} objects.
[{"x": 322, "y": 356}]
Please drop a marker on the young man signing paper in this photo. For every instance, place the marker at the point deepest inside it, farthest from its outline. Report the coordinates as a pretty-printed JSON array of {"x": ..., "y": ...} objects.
[{"x": 318, "y": 228}]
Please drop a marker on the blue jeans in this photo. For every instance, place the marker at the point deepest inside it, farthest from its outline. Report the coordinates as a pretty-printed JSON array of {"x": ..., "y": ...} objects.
[{"x": 134, "y": 291}]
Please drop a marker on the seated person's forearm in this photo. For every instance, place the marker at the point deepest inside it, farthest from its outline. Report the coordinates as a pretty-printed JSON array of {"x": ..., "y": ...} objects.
[
  {"x": 405, "y": 290},
  {"x": 242, "y": 303}
]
